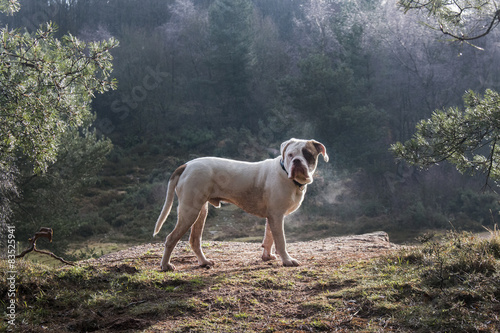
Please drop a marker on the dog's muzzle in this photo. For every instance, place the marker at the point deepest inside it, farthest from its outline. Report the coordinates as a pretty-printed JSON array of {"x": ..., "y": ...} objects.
[{"x": 291, "y": 175}]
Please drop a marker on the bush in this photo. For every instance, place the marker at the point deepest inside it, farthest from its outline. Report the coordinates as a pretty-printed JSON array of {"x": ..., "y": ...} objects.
[
  {"x": 193, "y": 137},
  {"x": 480, "y": 207},
  {"x": 417, "y": 216},
  {"x": 455, "y": 259},
  {"x": 447, "y": 285}
]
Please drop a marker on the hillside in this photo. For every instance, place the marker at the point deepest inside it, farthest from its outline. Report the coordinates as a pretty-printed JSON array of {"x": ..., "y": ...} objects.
[{"x": 355, "y": 283}]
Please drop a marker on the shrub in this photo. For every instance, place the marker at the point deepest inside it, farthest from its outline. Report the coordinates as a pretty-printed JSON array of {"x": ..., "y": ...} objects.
[
  {"x": 447, "y": 285},
  {"x": 480, "y": 207}
]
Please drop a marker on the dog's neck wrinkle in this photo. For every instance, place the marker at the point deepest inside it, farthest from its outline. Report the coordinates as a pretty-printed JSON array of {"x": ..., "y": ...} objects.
[{"x": 294, "y": 181}]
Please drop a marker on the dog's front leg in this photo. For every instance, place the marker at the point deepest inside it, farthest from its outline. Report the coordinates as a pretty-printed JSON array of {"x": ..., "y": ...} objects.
[
  {"x": 267, "y": 244},
  {"x": 276, "y": 223}
]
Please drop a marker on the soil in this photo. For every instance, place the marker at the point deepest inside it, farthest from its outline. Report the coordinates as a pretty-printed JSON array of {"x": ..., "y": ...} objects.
[
  {"x": 125, "y": 291},
  {"x": 227, "y": 255},
  {"x": 279, "y": 307}
]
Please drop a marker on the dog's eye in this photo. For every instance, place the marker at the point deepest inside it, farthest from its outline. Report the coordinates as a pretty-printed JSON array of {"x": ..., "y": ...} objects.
[
  {"x": 290, "y": 155},
  {"x": 308, "y": 156}
]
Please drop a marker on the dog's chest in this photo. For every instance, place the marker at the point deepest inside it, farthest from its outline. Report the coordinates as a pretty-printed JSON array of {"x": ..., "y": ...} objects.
[{"x": 296, "y": 199}]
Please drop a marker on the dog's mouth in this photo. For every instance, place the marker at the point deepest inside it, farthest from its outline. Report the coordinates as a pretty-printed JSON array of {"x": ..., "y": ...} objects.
[{"x": 299, "y": 172}]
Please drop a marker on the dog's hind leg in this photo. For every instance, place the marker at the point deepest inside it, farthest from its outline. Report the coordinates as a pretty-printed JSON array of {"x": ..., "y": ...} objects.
[
  {"x": 195, "y": 237},
  {"x": 185, "y": 219}
]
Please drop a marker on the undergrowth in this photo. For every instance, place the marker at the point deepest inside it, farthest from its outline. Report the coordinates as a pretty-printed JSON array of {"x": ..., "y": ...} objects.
[
  {"x": 444, "y": 285},
  {"x": 450, "y": 284}
]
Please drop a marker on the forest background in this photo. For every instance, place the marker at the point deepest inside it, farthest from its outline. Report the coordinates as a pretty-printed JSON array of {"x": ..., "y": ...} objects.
[{"x": 235, "y": 78}]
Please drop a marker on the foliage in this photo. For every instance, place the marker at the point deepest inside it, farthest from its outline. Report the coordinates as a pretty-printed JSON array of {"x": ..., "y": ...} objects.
[
  {"x": 47, "y": 150},
  {"x": 52, "y": 198},
  {"x": 48, "y": 85},
  {"x": 237, "y": 78},
  {"x": 230, "y": 32},
  {"x": 466, "y": 138},
  {"x": 462, "y": 20},
  {"x": 9, "y": 6},
  {"x": 327, "y": 90}
]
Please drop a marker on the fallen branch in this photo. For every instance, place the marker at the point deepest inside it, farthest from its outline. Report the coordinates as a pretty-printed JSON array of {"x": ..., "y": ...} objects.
[{"x": 42, "y": 233}]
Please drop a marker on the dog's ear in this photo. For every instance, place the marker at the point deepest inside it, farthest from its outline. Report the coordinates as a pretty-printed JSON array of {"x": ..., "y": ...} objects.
[
  {"x": 321, "y": 149},
  {"x": 283, "y": 148}
]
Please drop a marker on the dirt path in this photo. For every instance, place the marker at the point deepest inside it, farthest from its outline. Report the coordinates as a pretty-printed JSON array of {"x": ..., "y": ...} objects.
[
  {"x": 125, "y": 291},
  {"x": 230, "y": 254},
  {"x": 241, "y": 292}
]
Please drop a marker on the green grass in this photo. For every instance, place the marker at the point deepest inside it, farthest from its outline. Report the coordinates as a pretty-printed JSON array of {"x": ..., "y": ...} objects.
[
  {"x": 450, "y": 284},
  {"x": 443, "y": 285}
]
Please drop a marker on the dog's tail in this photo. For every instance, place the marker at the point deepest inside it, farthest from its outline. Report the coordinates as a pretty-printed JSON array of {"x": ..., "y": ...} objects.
[{"x": 169, "y": 201}]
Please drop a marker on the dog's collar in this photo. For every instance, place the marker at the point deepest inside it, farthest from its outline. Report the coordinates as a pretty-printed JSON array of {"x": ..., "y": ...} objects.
[{"x": 294, "y": 181}]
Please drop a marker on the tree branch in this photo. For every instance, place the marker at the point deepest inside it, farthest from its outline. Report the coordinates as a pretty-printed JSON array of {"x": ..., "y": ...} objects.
[
  {"x": 494, "y": 22},
  {"x": 491, "y": 162},
  {"x": 42, "y": 233}
]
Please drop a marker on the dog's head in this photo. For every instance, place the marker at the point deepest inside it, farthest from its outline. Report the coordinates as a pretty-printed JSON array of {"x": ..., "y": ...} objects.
[{"x": 300, "y": 158}]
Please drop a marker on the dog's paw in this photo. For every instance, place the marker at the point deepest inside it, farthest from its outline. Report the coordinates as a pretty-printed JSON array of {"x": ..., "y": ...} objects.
[
  {"x": 168, "y": 267},
  {"x": 268, "y": 257},
  {"x": 207, "y": 264},
  {"x": 291, "y": 263}
]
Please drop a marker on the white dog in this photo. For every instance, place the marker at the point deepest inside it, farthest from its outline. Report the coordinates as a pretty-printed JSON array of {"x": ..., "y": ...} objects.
[{"x": 270, "y": 189}]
